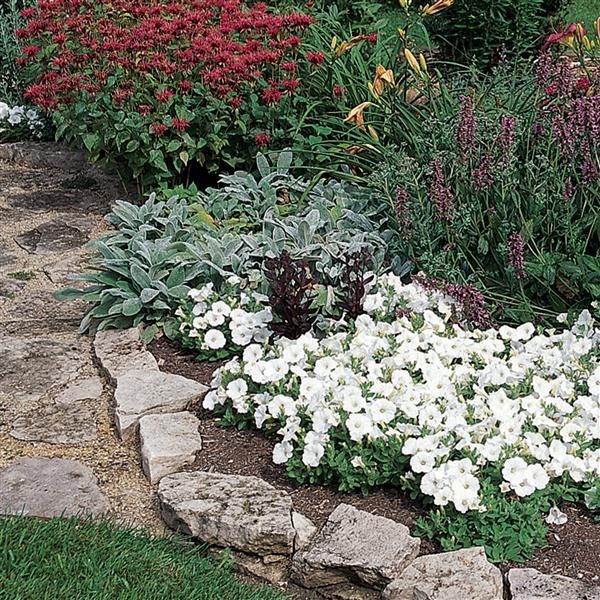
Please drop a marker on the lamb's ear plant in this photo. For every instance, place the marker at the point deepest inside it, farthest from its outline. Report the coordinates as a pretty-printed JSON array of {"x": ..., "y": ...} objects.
[
  {"x": 142, "y": 282},
  {"x": 139, "y": 272},
  {"x": 174, "y": 241}
]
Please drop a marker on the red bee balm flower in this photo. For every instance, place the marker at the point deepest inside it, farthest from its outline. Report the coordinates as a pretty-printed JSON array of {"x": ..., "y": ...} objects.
[
  {"x": 262, "y": 139},
  {"x": 31, "y": 51},
  {"x": 290, "y": 66},
  {"x": 272, "y": 95},
  {"x": 291, "y": 85},
  {"x": 164, "y": 95},
  {"x": 158, "y": 129},
  {"x": 211, "y": 56},
  {"x": 316, "y": 58},
  {"x": 180, "y": 124}
]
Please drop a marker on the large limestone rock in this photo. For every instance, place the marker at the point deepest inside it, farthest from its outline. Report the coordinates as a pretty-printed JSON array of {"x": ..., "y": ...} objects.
[
  {"x": 169, "y": 442},
  {"x": 530, "y": 584},
  {"x": 143, "y": 392},
  {"x": 243, "y": 513},
  {"x": 43, "y": 155},
  {"x": 355, "y": 546},
  {"x": 120, "y": 351},
  {"x": 52, "y": 237},
  {"x": 52, "y": 397},
  {"x": 67, "y": 418},
  {"x": 44, "y": 487},
  {"x": 30, "y": 368},
  {"x": 448, "y": 576},
  {"x": 38, "y": 312}
]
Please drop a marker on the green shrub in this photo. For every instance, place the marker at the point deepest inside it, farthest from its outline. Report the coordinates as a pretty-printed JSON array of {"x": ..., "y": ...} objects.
[
  {"x": 482, "y": 29},
  {"x": 580, "y": 11},
  {"x": 12, "y": 78}
]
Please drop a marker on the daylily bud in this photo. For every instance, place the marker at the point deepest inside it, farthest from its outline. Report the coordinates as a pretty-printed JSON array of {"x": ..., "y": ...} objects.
[
  {"x": 333, "y": 42},
  {"x": 423, "y": 63},
  {"x": 373, "y": 133},
  {"x": 373, "y": 90},
  {"x": 439, "y": 6},
  {"x": 580, "y": 32},
  {"x": 412, "y": 61}
]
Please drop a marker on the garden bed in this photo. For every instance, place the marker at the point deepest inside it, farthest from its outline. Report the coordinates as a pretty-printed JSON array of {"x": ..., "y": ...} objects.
[
  {"x": 403, "y": 270},
  {"x": 572, "y": 549}
]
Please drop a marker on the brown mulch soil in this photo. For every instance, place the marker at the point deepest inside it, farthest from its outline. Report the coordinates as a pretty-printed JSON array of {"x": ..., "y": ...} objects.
[{"x": 573, "y": 549}]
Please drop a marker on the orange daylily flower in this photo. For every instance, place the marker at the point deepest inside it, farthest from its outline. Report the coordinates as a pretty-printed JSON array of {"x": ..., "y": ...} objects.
[
  {"x": 356, "y": 114},
  {"x": 383, "y": 78},
  {"x": 345, "y": 46}
]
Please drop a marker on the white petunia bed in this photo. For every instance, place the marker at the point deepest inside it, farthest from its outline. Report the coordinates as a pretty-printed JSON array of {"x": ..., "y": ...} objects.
[{"x": 405, "y": 395}]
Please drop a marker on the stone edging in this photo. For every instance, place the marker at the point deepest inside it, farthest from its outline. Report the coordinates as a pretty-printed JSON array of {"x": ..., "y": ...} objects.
[{"x": 356, "y": 555}]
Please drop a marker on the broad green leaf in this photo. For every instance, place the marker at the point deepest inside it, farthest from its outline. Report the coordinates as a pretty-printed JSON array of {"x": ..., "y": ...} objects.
[
  {"x": 140, "y": 277},
  {"x": 148, "y": 294},
  {"x": 131, "y": 307}
]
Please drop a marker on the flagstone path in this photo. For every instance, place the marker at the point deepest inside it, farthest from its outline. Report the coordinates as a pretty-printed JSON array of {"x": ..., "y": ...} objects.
[{"x": 57, "y": 428}]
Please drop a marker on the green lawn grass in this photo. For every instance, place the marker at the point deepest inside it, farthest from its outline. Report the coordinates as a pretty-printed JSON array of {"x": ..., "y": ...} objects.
[
  {"x": 581, "y": 10},
  {"x": 62, "y": 559}
]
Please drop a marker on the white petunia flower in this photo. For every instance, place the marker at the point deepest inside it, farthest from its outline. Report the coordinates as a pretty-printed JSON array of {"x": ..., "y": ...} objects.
[
  {"x": 422, "y": 462},
  {"x": 252, "y": 353},
  {"x": 312, "y": 455},
  {"x": 282, "y": 452},
  {"x": 214, "y": 319},
  {"x": 359, "y": 426},
  {"x": 214, "y": 339},
  {"x": 237, "y": 388},
  {"x": 556, "y": 517}
]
